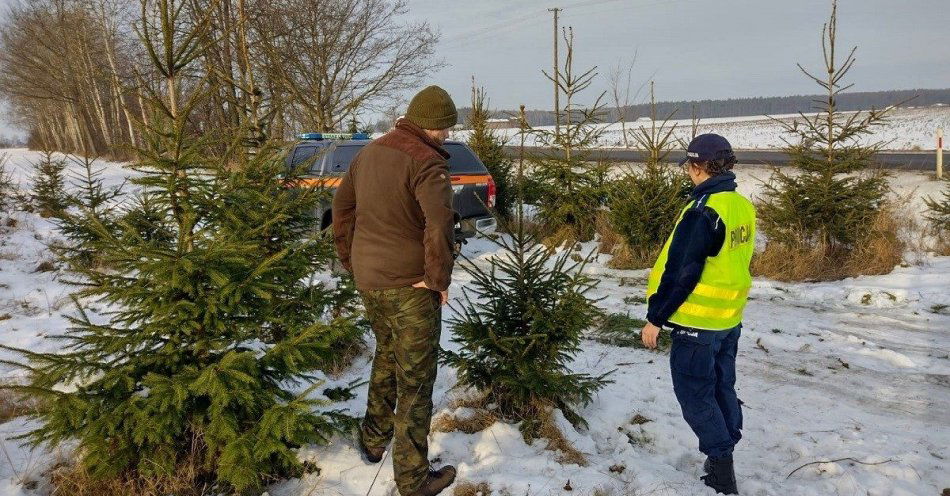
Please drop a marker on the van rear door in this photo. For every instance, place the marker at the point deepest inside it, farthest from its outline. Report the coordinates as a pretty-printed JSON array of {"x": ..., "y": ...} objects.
[{"x": 469, "y": 181}]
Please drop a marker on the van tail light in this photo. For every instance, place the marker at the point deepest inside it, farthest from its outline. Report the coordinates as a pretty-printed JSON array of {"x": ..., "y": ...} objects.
[{"x": 492, "y": 193}]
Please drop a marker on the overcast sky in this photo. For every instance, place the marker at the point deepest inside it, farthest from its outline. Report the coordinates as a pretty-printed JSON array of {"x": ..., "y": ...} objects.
[{"x": 694, "y": 49}]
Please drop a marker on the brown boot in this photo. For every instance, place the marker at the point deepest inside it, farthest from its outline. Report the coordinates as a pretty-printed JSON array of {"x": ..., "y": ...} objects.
[
  {"x": 436, "y": 481},
  {"x": 374, "y": 455}
]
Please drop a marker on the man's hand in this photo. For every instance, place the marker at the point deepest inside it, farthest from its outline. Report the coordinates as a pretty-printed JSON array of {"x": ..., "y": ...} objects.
[
  {"x": 443, "y": 295},
  {"x": 649, "y": 335}
]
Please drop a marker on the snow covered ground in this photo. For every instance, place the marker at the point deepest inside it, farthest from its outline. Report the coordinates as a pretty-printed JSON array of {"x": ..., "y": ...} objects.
[
  {"x": 854, "y": 369},
  {"x": 908, "y": 129}
]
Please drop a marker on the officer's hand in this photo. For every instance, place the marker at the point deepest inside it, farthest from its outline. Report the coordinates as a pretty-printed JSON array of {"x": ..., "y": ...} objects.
[
  {"x": 649, "y": 335},
  {"x": 443, "y": 295}
]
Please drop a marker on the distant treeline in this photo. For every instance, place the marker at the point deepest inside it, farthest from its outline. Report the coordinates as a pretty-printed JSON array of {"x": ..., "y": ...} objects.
[{"x": 771, "y": 105}]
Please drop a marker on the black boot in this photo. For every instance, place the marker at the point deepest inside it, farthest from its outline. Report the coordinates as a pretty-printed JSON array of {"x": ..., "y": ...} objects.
[
  {"x": 374, "y": 455},
  {"x": 720, "y": 475},
  {"x": 436, "y": 481}
]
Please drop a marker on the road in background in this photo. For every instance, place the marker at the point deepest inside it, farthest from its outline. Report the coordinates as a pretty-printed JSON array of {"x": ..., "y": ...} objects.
[{"x": 889, "y": 160}]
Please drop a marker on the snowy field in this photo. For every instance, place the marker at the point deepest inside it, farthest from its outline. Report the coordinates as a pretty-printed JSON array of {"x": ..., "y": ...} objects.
[
  {"x": 855, "y": 369},
  {"x": 908, "y": 129}
]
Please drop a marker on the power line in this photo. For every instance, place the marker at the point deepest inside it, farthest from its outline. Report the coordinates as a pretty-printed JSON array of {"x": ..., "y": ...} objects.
[{"x": 531, "y": 18}]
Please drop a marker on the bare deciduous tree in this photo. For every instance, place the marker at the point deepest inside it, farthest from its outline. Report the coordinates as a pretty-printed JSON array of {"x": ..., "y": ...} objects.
[
  {"x": 337, "y": 58},
  {"x": 62, "y": 71},
  {"x": 76, "y": 73},
  {"x": 620, "y": 80},
  {"x": 659, "y": 139}
]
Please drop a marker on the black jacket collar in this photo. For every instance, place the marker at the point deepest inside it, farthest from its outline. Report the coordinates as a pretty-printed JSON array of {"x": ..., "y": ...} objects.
[{"x": 716, "y": 184}]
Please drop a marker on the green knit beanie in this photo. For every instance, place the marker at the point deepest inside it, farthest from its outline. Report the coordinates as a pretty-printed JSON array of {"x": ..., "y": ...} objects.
[{"x": 432, "y": 108}]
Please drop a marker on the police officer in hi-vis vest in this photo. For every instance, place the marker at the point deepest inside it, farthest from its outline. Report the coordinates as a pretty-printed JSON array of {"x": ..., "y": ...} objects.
[{"x": 698, "y": 289}]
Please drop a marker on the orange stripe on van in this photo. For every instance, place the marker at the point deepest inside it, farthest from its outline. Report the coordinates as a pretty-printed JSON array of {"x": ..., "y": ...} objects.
[
  {"x": 333, "y": 182},
  {"x": 316, "y": 182},
  {"x": 473, "y": 179}
]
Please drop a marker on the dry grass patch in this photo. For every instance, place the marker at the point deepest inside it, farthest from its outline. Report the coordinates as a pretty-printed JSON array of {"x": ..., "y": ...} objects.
[
  {"x": 608, "y": 236},
  {"x": 189, "y": 478},
  {"x": 628, "y": 258},
  {"x": 795, "y": 263},
  {"x": 343, "y": 360},
  {"x": 14, "y": 404},
  {"x": 74, "y": 480},
  {"x": 561, "y": 237},
  {"x": 549, "y": 430},
  {"x": 484, "y": 417},
  {"x": 942, "y": 245},
  {"x": 526, "y": 223},
  {"x": 884, "y": 248},
  {"x": 469, "y": 488},
  {"x": 481, "y": 418}
]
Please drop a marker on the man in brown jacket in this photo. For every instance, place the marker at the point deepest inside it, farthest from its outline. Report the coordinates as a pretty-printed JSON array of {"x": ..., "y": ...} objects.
[{"x": 394, "y": 229}]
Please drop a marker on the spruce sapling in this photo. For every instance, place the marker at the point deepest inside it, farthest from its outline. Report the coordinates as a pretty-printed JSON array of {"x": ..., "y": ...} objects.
[
  {"x": 93, "y": 208},
  {"x": 520, "y": 325},
  {"x": 49, "y": 189},
  {"x": 211, "y": 322},
  {"x": 489, "y": 148},
  {"x": 644, "y": 204},
  {"x": 831, "y": 207},
  {"x": 569, "y": 178},
  {"x": 939, "y": 211}
]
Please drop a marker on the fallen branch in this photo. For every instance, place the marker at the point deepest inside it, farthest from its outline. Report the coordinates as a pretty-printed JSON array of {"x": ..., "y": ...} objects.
[{"x": 836, "y": 461}]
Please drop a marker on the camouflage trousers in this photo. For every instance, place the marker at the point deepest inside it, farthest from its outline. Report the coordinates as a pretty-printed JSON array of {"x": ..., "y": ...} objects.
[{"x": 407, "y": 323}]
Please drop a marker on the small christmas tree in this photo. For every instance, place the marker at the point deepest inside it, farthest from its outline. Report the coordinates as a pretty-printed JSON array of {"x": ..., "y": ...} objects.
[
  {"x": 211, "y": 317},
  {"x": 49, "y": 186},
  {"x": 570, "y": 179},
  {"x": 645, "y": 204},
  {"x": 521, "y": 324},
  {"x": 939, "y": 210},
  {"x": 830, "y": 210},
  {"x": 490, "y": 149},
  {"x": 141, "y": 219},
  {"x": 939, "y": 216},
  {"x": 93, "y": 209}
]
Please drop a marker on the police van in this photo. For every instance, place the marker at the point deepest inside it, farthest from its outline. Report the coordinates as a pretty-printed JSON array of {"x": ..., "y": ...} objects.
[{"x": 327, "y": 157}]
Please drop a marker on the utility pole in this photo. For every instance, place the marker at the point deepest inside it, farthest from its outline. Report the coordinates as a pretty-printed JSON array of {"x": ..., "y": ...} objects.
[{"x": 557, "y": 107}]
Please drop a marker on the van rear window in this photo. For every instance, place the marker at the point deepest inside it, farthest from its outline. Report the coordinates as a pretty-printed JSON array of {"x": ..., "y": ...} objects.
[
  {"x": 305, "y": 153},
  {"x": 343, "y": 156},
  {"x": 463, "y": 161}
]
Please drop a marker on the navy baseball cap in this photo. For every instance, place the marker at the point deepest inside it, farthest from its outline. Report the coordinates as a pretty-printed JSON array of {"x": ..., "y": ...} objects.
[{"x": 706, "y": 147}]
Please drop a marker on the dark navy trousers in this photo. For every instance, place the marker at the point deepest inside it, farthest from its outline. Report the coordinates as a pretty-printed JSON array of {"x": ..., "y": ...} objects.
[{"x": 703, "y": 365}]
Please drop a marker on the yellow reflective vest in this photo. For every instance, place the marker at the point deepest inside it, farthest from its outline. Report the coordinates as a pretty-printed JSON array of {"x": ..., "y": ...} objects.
[{"x": 720, "y": 296}]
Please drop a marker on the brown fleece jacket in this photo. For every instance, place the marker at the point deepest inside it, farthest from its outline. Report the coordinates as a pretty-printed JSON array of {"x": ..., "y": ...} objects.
[{"x": 393, "y": 221}]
